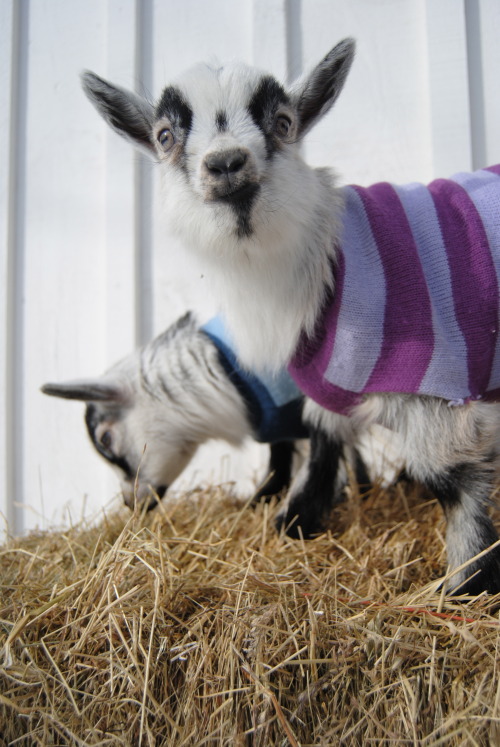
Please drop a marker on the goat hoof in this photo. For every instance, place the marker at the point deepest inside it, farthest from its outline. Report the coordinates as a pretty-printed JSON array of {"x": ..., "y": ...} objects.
[
  {"x": 483, "y": 576},
  {"x": 296, "y": 527},
  {"x": 268, "y": 491}
]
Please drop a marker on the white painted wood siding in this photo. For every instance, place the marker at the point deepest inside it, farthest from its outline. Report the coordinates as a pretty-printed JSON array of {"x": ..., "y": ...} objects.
[{"x": 87, "y": 268}]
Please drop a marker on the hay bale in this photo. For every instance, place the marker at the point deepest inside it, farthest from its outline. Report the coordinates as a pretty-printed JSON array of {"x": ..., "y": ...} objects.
[{"x": 199, "y": 625}]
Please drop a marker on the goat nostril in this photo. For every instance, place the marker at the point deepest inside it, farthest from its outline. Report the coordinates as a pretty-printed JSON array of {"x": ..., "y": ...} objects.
[
  {"x": 228, "y": 162},
  {"x": 237, "y": 162}
]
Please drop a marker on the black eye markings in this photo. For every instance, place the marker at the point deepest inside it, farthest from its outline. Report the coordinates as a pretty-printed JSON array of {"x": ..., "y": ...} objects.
[
  {"x": 267, "y": 98},
  {"x": 92, "y": 420},
  {"x": 173, "y": 106}
]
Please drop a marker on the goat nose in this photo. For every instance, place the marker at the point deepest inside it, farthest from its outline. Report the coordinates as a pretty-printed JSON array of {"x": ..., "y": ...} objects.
[{"x": 226, "y": 162}]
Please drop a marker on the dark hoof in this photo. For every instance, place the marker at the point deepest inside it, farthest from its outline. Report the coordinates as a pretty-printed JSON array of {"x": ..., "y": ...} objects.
[
  {"x": 483, "y": 576},
  {"x": 280, "y": 472},
  {"x": 272, "y": 488},
  {"x": 298, "y": 528}
]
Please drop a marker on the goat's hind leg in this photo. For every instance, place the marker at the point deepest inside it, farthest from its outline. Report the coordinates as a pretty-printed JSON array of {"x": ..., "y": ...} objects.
[
  {"x": 454, "y": 451},
  {"x": 463, "y": 491}
]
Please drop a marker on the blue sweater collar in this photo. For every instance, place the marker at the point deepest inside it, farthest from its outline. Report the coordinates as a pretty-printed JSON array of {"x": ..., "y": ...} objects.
[{"x": 273, "y": 401}]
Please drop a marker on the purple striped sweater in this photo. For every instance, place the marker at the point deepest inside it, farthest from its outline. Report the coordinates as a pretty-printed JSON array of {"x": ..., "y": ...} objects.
[{"x": 416, "y": 304}]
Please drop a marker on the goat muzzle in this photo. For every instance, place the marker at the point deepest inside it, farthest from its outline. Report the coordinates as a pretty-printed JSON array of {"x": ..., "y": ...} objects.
[
  {"x": 222, "y": 164},
  {"x": 229, "y": 175}
]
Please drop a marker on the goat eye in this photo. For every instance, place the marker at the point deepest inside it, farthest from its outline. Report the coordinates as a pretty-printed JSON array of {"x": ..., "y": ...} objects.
[
  {"x": 282, "y": 126},
  {"x": 166, "y": 139},
  {"x": 106, "y": 440}
]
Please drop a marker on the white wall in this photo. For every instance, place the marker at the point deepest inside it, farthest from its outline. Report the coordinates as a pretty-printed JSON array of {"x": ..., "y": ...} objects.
[{"x": 87, "y": 270}]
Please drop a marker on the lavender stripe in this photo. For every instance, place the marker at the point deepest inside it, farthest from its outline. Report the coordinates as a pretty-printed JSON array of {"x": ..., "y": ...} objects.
[
  {"x": 483, "y": 189},
  {"x": 474, "y": 283},
  {"x": 360, "y": 324},
  {"x": 408, "y": 335},
  {"x": 313, "y": 353},
  {"x": 447, "y": 374}
]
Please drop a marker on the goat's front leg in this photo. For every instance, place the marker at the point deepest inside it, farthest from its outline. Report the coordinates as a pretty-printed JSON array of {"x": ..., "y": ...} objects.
[
  {"x": 463, "y": 491},
  {"x": 312, "y": 494},
  {"x": 320, "y": 482},
  {"x": 279, "y": 474}
]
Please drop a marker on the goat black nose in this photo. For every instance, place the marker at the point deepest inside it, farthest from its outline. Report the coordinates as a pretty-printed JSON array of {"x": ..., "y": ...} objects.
[{"x": 226, "y": 162}]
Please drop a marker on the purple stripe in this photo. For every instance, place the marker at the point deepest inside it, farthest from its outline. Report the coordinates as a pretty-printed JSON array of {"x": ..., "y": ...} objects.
[
  {"x": 327, "y": 395},
  {"x": 494, "y": 169},
  {"x": 447, "y": 374},
  {"x": 492, "y": 396},
  {"x": 483, "y": 188},
  {"x": 408, "y": 334},
  {"x": 473, "y": 278},
  {"x": 313, "y": 354}
]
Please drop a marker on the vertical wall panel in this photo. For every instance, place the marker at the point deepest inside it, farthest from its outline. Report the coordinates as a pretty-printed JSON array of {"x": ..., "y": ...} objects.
[
  {"x": 483, "y": 32},
  {"x": 489, "y": 33},
  {"x": 64, "y": 292},
  {"x": 120, "y": 198},
  {"x": 475, "y": 69},
  {"x": 270, "y": 36},
  {"x": 144, "y": 284},
  {"x": 13, "y": 24},
  {"x": 128, "y": 186},
  {"x": 7, "y": 40},
  {"x": 123, "y": 214},
  {"x": 379, "y": 127},
  {"x": 449, "y": 87}
]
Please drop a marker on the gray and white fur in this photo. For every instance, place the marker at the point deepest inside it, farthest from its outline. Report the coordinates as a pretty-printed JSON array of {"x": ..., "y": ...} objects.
[
  {"x": 148, "y": 415},
  {"x": 264, "y": 226}
]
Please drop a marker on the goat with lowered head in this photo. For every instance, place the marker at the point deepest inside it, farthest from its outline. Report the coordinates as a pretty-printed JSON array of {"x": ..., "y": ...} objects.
[
  {"x": 382, "y": 301},
  {"x": 150, "y": 412}
]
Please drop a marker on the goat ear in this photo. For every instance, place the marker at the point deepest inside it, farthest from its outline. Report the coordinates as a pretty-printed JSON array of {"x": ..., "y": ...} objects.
[
  {"x": 315, "y": 93},
  {"x": 128, "y": 114},
  {"x": 86, "y": 390}
]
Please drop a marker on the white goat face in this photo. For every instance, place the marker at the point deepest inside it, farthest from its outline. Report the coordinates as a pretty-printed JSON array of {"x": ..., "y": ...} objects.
[
  {"x": 216, "y": 137},
  {"x": 146, "y": 455},
  {"x": 224, "y": 135}
]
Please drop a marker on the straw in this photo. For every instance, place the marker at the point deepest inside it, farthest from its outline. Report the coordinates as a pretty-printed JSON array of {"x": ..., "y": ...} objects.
[{"x": 198, "y": 624}]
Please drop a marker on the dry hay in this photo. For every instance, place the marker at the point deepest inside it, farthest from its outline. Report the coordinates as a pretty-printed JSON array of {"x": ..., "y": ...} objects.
[{"x": 198, "y": 625}]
